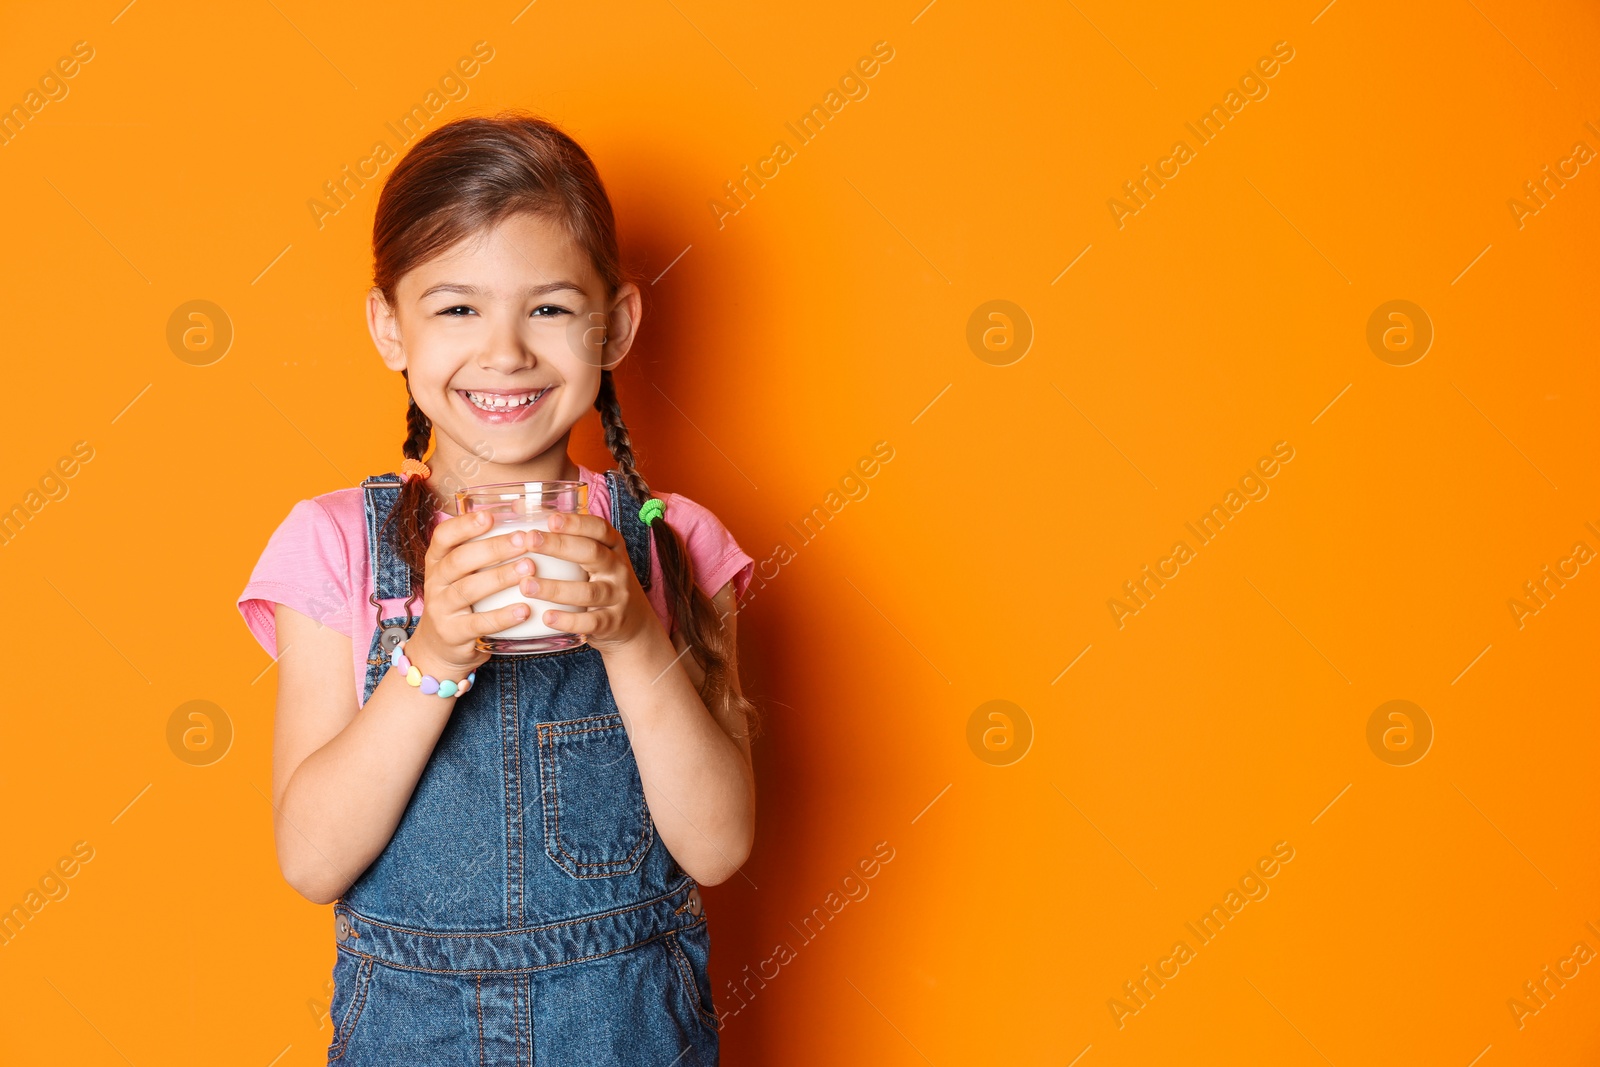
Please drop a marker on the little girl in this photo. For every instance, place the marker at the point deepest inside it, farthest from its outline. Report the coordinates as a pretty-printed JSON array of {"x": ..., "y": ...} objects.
[{"x": 513, "y": 844}]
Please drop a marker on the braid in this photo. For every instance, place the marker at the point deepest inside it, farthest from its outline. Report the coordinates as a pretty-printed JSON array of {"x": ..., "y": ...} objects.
[
  {"x": 419, "y": 428},
  {"x": 618, "y": 443},
  {"x": 415, "y": 506},
  {"x": 692, "y": 611}
]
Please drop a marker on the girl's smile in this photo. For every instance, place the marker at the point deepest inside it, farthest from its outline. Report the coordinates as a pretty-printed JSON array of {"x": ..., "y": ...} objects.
[{"x": 498, "y": 406}]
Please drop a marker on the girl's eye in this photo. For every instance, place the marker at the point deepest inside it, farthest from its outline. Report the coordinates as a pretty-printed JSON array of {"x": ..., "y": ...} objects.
[{"x": 552, "y": 309}]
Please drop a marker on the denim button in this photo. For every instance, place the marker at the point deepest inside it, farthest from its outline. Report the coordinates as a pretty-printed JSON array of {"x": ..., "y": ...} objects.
[
  {"x": 341, "y": 927},
  {"x": 694, "y": 900},
  {"x": 392, "y": 636}
]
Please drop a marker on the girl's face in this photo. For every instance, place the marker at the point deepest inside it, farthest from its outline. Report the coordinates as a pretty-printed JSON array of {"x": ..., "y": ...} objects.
[{"x": 503, "y": 337}]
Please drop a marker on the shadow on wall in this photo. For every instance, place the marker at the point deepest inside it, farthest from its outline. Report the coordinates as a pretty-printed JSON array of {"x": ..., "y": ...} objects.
[{"x": 690, "y": 362}]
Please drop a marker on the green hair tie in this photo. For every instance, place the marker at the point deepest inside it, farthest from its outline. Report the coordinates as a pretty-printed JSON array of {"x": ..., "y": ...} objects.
[{"x": 652, "y": 510}]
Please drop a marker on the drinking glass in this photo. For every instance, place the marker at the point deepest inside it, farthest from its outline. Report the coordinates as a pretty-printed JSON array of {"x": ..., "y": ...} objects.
[{"x": 523, "y": 506}]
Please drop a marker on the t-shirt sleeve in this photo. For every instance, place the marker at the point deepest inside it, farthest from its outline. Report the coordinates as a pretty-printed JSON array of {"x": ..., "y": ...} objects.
[
  {"x": 716, "y": 556},
  {"x": 306, "y": 566}
]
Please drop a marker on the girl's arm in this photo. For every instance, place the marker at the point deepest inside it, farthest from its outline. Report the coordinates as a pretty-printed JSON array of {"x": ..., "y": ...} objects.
[
  {"x": 695, "y": 768},
  {"x": 342, "y": 773}
]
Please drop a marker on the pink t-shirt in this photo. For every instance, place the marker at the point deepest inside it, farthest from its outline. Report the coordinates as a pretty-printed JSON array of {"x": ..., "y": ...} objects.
[{"x": 316, "y": 563}]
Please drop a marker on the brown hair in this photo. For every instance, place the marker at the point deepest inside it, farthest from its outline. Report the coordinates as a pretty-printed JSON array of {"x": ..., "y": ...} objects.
[{"x": 470, "y": 174}]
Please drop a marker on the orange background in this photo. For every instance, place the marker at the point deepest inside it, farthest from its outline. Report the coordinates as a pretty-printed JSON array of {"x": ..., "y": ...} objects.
[{"x": 830, "y": 313}]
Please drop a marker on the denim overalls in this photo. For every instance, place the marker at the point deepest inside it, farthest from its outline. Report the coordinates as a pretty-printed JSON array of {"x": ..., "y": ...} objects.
[{"x": 523, "y": 912}]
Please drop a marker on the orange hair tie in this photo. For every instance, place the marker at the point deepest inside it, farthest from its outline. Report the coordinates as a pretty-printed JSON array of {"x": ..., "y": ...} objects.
[{"x": 409, "y": 466}]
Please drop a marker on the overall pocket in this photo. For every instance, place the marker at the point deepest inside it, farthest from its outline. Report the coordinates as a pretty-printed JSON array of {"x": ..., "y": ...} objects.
[
  {"x": 690, "y": 951},
  {"x": 596, "y": 824},
  {"x": 352, "y": 977}
]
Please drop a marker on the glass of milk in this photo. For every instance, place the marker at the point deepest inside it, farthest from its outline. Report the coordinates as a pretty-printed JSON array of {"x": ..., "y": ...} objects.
[{"x": 522, "y": 506}]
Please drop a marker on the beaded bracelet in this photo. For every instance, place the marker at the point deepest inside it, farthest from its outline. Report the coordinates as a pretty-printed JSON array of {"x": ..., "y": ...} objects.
[{"x": 427, "y": 682}]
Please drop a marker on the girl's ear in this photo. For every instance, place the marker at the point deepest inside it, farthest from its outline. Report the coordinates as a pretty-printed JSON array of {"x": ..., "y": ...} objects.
[
  {"x": 622, "y": 324},
  {"x": 384, "y": 327}
]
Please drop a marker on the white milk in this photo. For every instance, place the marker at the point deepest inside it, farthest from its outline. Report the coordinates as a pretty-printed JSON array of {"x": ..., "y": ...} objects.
[{"x": 564, "y": 570}]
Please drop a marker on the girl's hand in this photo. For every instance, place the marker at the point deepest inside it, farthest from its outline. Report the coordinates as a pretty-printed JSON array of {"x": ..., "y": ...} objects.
[
  {"x": 618, "y": 610},
  {"x": 456, "y": 578}
]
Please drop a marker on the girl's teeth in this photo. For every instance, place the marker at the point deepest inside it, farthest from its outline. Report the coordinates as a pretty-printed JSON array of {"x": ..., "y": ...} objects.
[{"x": 502, "y": 403}]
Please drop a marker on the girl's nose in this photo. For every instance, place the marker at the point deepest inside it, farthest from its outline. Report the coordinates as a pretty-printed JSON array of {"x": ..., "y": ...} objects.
[
  {"x": 508, "y": 355},
  {"x": 508, "y": 351}
]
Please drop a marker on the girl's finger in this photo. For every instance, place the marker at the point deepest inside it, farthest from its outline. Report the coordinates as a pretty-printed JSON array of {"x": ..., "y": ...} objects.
[
  {"x": 455, "y": 531},
  {"x": 476, "y": 555},
  {"x": 573, "y": 622},
  {"x": 574, "y": 547},
  {"x": 474, "y": 587},
  {"x": 580, "y": 594},
  {"x": 483, "y": 623},
  {"x": 460, "y": 629},
  {"x": 590, "y": 526}
]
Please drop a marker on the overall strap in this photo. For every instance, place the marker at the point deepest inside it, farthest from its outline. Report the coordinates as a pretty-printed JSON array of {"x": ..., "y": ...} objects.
[
  {"x": 625, "y": 517},
  {"x": 391, "y": 578}
]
